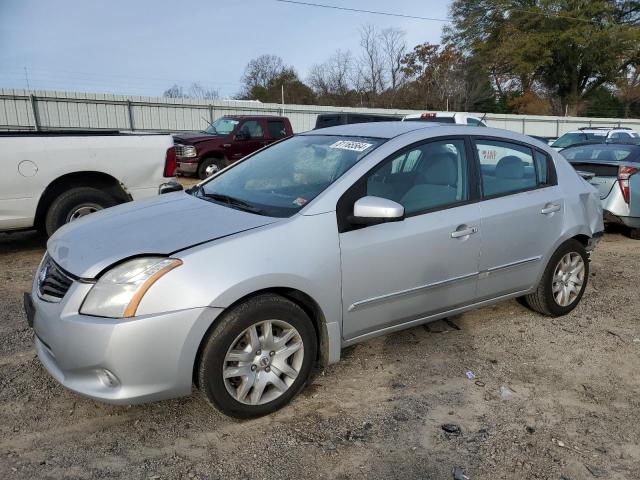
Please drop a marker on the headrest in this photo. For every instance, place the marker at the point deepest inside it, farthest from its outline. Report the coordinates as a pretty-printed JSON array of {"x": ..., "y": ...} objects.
[
  {"x": 441, "y": 169},
  {"x": 510, "y": 167}
]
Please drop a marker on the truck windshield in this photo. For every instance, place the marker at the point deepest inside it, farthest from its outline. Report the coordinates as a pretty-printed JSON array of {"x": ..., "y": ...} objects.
[
  {"x": 280, "y": 180},
  {"x": 222, "y": 126}
]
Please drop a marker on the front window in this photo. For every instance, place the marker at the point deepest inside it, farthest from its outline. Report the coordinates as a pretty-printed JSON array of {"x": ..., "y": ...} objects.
[
  {"x": 569, "y": 139},
  {"x": 281, "y": 179},
  {"x": 222, "y": 126}
]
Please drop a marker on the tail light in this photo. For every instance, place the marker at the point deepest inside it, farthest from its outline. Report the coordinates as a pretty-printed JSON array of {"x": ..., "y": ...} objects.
[
  {"x": 428, "y": 115},
  {"x": 170, "y": 163},
  {"x": 624, "y": 172}
]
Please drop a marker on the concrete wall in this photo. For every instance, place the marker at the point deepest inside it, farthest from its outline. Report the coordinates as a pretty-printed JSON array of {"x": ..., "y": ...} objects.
[{"x": 47, "y": 110}]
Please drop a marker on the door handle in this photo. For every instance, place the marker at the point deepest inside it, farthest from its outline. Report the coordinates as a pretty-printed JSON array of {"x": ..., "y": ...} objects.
[
  {"x": 464, "y": 232},
  {"x": 550, "y": 208}
]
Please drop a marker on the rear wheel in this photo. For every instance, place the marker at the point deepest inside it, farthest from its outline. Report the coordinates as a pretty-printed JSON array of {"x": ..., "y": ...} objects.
[
  {"x": 258, "y": 357},
  {"x": 563, "y": 282},
  {"x": 75, "y": 203}
]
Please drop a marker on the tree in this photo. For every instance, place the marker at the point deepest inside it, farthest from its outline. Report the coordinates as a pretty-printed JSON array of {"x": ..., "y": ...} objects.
[
  {"x": 370, "y": 76},
  {"x": 260, "y": 71},
  {"x": 295, "y": 91},
  {"x": 196, "y": 91},
  {"x": 331, "y": 80},
  {"x": 174, "y": 91},
  {"x": 567, "y": 47}
]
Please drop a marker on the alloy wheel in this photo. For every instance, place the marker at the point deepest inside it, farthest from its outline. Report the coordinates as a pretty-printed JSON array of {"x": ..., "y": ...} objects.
[
  {"x": 263, "y": 362},
  {"x": 568, "y": 279}
]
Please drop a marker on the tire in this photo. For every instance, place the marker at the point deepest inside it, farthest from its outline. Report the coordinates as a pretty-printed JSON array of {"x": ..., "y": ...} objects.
[
  {"x": 224, "y": 393},
  {"x": 207, "y": 162},
  {"x": 634, "y": 233},
  {"x": 70, "y": 203},
  {"x": 543, "y": 300}
]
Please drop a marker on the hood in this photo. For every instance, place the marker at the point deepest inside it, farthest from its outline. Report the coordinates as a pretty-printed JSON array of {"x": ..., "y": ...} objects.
[
  {"x": 158, "y": 226},
  {"x": 194, "y": 138}
]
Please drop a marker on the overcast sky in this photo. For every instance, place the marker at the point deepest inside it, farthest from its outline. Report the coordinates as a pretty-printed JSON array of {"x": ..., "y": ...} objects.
[{"x": 142, "y": 47}]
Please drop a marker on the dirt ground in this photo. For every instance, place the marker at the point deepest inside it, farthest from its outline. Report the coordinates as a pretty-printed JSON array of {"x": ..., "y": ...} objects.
[{"x": 571, "y": 411}]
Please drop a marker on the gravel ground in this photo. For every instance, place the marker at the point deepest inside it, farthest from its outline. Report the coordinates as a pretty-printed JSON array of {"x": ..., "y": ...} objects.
[{"x": 571, "y": 411}]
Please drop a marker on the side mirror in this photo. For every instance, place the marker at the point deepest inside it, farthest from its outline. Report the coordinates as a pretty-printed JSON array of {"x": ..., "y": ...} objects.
[
  {"x": 373, "y": 210},
  {"x": 242, "y": 136}
]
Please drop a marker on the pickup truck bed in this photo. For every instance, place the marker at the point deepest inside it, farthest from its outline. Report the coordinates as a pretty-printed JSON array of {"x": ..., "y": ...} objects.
[{"x": 50, "y": 178}]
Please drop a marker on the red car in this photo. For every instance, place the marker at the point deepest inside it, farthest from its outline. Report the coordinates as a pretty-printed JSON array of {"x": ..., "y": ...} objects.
[{"x": 227, "y": 140}]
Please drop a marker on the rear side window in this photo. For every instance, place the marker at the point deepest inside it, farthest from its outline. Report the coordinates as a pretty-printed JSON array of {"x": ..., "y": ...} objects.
[
  {"x": 505, "y": 167},
  {"x": 544, "y": 168},
  {"x": 474, "y": 122},
  {"x": 276, "y": 129}
]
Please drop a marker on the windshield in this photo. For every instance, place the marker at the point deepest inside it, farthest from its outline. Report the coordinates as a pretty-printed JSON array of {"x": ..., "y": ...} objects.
[
  {"x": 569, "y": 139},
  {"x": 597, "y": 152},
  {"x": 222, "y": 126},
  {"x": 280, "y": 180}
]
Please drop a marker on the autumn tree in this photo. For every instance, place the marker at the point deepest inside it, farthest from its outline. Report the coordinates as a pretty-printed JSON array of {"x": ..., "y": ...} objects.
[{"x": 566, "y": 47}]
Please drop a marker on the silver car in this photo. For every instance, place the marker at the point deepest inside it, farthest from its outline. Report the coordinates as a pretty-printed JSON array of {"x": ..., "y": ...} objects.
[
  {"x": 616, "y": 175},
  {"x": 320, "y": 241}
]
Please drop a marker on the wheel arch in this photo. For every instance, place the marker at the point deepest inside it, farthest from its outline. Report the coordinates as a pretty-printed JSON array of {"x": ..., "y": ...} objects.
[
  {"x": 99, "y": 180},
  {"x": 300, "y": 298}
]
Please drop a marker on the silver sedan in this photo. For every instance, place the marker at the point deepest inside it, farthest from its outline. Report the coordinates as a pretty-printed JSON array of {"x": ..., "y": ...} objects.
[{"x": 320, "y": 241}]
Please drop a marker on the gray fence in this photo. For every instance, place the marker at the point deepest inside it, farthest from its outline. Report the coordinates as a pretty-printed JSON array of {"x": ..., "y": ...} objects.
[{"x": 45, "y": 110}]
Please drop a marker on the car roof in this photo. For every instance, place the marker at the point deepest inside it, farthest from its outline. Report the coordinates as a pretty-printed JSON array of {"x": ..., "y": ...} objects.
[{"x": 373, "y": 129}]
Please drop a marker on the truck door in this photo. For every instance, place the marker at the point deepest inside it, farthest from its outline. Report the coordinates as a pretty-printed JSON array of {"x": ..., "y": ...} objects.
[
  {"x": 248, "y": 138},
  {"x": 276, "y": 129}
]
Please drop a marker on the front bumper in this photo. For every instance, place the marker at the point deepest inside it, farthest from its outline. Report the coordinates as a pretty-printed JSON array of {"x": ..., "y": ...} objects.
[
  {"x": 187, "y": 166},
  {"x": 119, "y": 361}
]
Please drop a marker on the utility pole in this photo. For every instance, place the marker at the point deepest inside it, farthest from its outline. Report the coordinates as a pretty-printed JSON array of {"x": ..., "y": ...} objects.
[
  {"x": 282, "y": 99},
  {"x": 26, "y": 78}
]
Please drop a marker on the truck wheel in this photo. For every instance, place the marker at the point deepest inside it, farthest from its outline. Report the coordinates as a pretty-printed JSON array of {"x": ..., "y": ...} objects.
[
  {"x": 563, "y": 282},
  {"x": 258, "y": 357},
  {"x": 215, "y": 164},
  {"x": 75, "y": 203}
]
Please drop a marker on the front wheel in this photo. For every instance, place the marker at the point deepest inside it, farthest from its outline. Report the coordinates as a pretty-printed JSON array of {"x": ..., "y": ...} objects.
[
  {"x": 209, "y": 166},
  {"x": 563, "y": 282},
  {"x": 258, "y": 357}
]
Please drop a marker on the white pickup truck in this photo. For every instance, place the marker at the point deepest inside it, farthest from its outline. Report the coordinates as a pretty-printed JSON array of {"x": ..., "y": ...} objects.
[
  {"x": 50, "y": 178},
  {"x": 445, "y": 117}
]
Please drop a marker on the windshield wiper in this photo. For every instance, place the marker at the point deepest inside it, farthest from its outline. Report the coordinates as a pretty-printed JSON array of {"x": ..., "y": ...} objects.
[{"x": 232, "y": 202}]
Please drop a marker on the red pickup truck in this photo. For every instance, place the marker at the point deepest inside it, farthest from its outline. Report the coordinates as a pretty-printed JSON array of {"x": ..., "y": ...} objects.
[{"x": 226, "y": 140}]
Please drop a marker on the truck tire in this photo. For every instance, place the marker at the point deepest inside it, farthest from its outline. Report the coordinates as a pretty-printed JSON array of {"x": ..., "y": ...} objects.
[
  {"x": 563, "y": 282},
  {"x": 208, "y": 162},
  {"x": 73, "y": 204}
]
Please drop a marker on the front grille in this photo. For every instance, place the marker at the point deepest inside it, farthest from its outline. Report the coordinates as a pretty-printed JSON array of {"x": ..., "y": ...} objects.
[
  {"x": 179, "y": 150},
  {"x": 52, "y": 280}
]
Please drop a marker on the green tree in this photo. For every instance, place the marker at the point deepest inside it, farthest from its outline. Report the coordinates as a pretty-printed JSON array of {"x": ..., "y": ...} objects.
[{"x": 569, "y": 48}]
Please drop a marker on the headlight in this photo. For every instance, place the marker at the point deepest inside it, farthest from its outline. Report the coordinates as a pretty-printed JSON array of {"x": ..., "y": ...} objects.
[
  {"x": 186, "y": 151},
  {"x": 118, "y": 292}
]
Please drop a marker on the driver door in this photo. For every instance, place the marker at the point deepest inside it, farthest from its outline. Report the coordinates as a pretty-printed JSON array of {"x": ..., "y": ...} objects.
[{"x": 399, "y": 272}]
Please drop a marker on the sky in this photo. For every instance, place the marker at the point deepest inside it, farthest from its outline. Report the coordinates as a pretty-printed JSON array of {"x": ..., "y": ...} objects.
[{"x": 142, "y": 47}]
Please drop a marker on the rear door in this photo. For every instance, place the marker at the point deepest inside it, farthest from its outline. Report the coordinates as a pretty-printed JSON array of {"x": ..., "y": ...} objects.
[
  {"x": 521, "y": 209},
  {"x": 276, "y": 129}
]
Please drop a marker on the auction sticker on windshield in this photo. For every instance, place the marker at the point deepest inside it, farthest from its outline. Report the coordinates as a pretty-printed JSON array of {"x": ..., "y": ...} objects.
[{"x": 350, "y": 145}]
